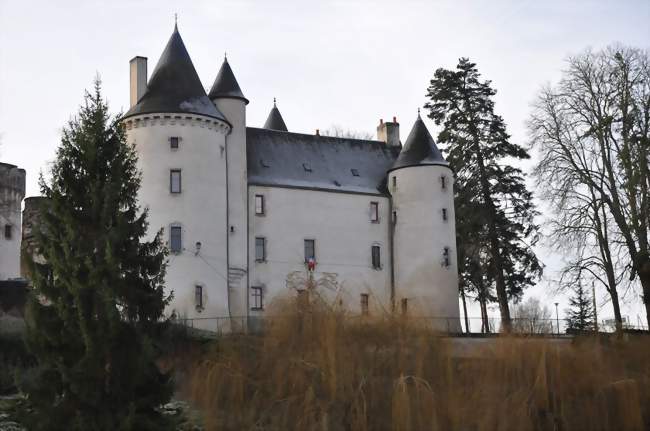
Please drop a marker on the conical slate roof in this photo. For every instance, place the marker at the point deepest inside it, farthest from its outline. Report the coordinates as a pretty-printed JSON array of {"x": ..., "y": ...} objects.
[
  {"x": 419, "y": 149},
  {"x": 225, "y": 85},
  {"x": 175, "y": 86},
  {"x": 274, "y": 121}
]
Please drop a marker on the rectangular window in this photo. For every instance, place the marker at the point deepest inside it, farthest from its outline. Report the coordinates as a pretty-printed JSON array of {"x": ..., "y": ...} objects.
[
  {"x": 8, "y": 231},
  {"x": 173, "y": 142},
  {"x": 394, "y": 183},
  {"x": 175, "y": 181},
  {"x": 355, "y": 172},
  {"x": 364, "y": 304},
  {"x": 443, "y": 182},
  {"x": 198, "y": 297},
  {"x": 374, "y": 212},
  {"x": 260, "y": 249},
  {"x": 446, "y": 259},
  {"x": 259, "y": 204},
  {"x": 444, "y": 214},
  {"x": 175, "y": 239},
  {"x": 405, "y": 305},
  {"x": 310, "y": 249},
  {"x": 258, "y": 299},
  {"x": 376, "y": 257},
  {"x": 394, "y": 217}
]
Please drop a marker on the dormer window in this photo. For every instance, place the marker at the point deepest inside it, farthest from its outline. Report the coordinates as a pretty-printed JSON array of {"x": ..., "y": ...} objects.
[
  {"x": 306, "y": 167},
  {"x": 173, "y": 142},
  {"x": 355, "y": 172},
  {"x": 263, "y": 163}
]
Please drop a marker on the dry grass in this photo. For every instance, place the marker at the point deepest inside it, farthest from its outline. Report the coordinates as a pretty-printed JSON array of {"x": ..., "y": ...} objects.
[{"x": 319, "y": 371}]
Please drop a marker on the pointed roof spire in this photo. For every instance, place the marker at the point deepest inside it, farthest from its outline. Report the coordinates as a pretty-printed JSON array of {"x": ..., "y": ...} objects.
[
  {"x": 419, "y": 149},
  {"x": 225, "y": 85},
  {"x": 175, "y": 86},
  {"x": 275, "y": 121}
]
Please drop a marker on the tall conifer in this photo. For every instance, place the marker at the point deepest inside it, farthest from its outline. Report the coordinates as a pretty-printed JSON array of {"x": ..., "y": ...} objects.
[
  {"x": 98, "y": 301},
  {"x": 580, "y": 315},
  {"x": 481, "y": 153}
]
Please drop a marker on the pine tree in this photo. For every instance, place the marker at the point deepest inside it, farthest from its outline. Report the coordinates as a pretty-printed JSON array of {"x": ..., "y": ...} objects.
[
  {"x": 480, "y": 152},
  {"x": 580, "y": 315},
  {"x": 97, "y": 309}
]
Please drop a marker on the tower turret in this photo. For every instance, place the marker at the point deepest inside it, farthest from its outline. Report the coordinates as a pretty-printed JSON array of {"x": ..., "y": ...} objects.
[
  {"x": 229, "y": 99},
  {"x": 421, "y": 186},
  {"x": 180, "y": 136},
  {"x": 275, "y": 121},
  {"x": 12, "y": 193}
]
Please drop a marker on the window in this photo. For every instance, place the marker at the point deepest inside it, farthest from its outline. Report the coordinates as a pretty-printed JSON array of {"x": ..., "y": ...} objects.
[
  {"x": 443, "y": 182},
  {"x": 376, "y": 257},
  {"x": 260, "y": 249},
  {"x": 404, "y": 304},
  {"x": 444, "y": 214},
  {"x": 306, "y": 167},
  {"x": 175, "y": 181},
  {"x": 259, "y": 204},
  {"x": 394, "y": 217},
  {"x": 257, "y": 294},
  {"x": 364, "y": 304},
  {"x": 8, "y": 231},
  {"x": 374, "y": 212},
  {"x": 310, "y": 249},
  {"x": 198, "y": 297},
  {"x": 446, "y": 259},
  {"x": 175, "y": 239},
  {"x": 263, "y": 163},
  {"x": 173, "y": 142},
  {"x": 355, "y": 172},
  {"x": 394, "y": 182}
]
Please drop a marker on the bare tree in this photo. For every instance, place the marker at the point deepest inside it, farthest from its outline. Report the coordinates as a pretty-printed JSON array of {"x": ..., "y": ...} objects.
[
  {"x": 531, "y": 317},
  {"x": 337, "y": 131},
  {"x": 593, "y": 133}
]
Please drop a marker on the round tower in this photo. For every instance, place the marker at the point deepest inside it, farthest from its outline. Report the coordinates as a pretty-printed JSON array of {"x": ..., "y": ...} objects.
[
  {"x": 180, "y": 137},
  {"x": 229, "y": 100},
  {"x": 12, "y": 193},
  {"x": 424, "y": 235}
]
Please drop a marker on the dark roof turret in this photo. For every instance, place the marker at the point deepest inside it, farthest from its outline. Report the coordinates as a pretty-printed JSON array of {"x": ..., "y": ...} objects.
[
  {"x": 274, "y": 121},
  {"x": 419, "y": 149},
  {"x": 225, "y": 84},
  {"x": 175, "y": 86}
]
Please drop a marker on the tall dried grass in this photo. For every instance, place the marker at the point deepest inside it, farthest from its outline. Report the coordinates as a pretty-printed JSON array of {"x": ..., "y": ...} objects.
[{"x": 318, "y": 370}]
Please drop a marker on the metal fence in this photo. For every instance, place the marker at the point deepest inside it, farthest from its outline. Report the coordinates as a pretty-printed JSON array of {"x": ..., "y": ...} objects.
[{"x": 215, "y": 326}]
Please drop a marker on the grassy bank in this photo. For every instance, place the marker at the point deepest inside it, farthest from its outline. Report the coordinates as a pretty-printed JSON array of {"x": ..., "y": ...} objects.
[{"x": 316, "y": 370}]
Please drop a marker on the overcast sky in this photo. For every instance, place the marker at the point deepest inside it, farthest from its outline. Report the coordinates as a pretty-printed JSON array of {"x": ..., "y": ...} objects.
[{"x": 347, "y": 63}]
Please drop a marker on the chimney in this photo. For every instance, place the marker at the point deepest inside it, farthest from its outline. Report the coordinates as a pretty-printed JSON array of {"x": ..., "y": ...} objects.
[
  {"x": 138, "y": 75},
  {"x": 389, "y": 132}
]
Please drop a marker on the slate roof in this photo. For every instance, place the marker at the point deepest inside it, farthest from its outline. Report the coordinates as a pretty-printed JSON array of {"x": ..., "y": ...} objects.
[
  {"x": 277, "y": 158},
  {"x": 275, "y": 121},
  {"x": 225, "y": 84},
  {"x": 175, "y": 86},
  {"x": 419, "y": 149}
]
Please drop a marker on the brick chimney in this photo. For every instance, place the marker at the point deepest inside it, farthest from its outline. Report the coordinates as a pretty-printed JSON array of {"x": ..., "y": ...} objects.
[
  {"x": 389, "y": 132},
  {"x": 138, "y": 78}
]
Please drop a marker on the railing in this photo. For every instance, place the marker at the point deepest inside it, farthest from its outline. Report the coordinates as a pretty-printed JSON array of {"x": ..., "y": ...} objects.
[{"x": 215, "y": 326}]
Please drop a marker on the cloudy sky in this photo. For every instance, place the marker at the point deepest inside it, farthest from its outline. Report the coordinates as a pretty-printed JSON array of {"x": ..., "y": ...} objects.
[{"x": 346, "y": 63}]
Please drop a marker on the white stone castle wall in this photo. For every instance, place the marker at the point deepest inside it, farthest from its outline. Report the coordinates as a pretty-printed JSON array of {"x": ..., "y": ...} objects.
[
  {"x": 12, "y": 192},
  {"x": 340, "y": 224},
  {"x": 200, "y": 208},
  {"x": 421, "y": 234}
]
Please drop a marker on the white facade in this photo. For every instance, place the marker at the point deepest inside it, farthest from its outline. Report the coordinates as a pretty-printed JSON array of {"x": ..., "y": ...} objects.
[
  {"x": 425, "y": 239},
  {"x": 343, "y": 233},
  {"x": 12, "y": 193}
]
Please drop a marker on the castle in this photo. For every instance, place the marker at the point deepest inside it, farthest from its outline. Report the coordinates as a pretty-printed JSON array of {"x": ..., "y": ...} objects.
[{"x": 251, "y": 213}]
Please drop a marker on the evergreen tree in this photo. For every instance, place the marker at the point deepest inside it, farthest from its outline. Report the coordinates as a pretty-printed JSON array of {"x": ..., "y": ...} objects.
[
  {"x": 580, "y": 315},
  {"x": 479, "y": 150},
  {"x": 97, "y": 309}
]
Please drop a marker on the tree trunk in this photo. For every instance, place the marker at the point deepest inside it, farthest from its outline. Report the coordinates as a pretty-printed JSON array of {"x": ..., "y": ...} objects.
[
  {"x": 643, "y": 270},
  {"x": 462, "y": 296}
]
